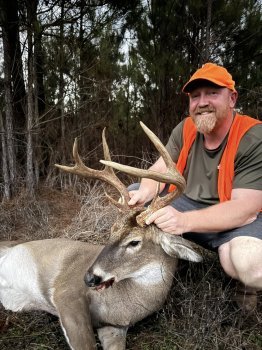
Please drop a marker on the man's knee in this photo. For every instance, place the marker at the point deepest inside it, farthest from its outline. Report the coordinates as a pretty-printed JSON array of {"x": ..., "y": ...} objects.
[
  {"x": 225, "y": 260},
  {"x": 246, "y": 257}
]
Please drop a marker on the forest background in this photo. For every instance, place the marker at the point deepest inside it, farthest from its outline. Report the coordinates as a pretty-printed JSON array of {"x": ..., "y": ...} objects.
[{"x": 71, "y": 68}]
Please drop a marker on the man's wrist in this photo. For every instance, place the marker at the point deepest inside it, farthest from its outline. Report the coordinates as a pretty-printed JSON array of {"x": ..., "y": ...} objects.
[{"x": 187, "y": 222}]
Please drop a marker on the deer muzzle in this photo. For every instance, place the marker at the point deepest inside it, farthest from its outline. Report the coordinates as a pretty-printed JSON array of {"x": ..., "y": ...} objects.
[{"x": 96, "y": 282}]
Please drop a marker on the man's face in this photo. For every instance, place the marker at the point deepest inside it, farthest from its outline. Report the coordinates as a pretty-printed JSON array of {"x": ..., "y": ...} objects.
[{"x": 209, "y": 106}]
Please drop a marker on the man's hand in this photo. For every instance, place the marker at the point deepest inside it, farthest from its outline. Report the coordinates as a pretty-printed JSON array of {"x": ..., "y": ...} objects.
[
  {"x": 148, "y": 187},
  {"x": 139, "y": 197},
  {"x": 169, "y": 220}
]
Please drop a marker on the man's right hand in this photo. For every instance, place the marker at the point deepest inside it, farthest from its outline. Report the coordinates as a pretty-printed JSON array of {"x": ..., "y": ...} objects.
[
  {"x": 148, "y": 187},
  {"x": 139, "y": 197}
]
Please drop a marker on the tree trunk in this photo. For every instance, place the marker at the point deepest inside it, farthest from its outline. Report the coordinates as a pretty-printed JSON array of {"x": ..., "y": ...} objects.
[
  {"x": 208, "y": 26},
  {"x": 9, "y": 117},
  {"x": 62, "y": 84},
  {"x": 10, "y": 24},
  {"x": 30, "y": 181},
  {"x": 30, "y": 176},
  {"x": 6, "y": 192}
]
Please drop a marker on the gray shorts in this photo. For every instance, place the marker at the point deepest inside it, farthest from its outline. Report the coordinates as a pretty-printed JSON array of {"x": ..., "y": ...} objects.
[{"x": 213, "y": 240}]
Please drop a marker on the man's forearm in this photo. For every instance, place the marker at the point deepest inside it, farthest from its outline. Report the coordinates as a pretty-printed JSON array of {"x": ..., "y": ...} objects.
[
  {"x": 151, "y": 185},
  {"x": 220, "y": 217}
]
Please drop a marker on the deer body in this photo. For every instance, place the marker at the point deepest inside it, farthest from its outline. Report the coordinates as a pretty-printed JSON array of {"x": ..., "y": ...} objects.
[
  {"x": 32, "y": 271},
  {"x": 105, "y": 287},
  {"x": 53, "y": 275}
]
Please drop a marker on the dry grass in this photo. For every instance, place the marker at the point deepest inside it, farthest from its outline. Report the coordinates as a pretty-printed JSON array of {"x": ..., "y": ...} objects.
[{"x": 198, "y": 314}]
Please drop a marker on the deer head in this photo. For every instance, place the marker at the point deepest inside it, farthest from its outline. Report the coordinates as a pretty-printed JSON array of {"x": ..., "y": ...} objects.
[{"x": 134, "y": 248}]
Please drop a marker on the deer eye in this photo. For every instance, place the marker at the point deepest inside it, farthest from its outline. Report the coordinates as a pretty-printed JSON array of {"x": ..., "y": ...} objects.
[{"x": 133, "y": 243}]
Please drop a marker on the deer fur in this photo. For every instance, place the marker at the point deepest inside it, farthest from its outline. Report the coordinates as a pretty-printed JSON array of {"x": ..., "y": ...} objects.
[{"x": 69, "y": 279}]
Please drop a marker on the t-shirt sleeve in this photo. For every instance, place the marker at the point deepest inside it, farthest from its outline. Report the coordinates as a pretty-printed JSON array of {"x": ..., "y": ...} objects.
[
  {"x": 175, "y": 142},
  {"x": 248, "y": 162}
]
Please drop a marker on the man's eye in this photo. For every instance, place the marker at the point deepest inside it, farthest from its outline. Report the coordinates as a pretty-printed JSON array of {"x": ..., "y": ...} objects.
[
  {"x": 193, "y": 97},
  {"x": 133, "y": 243}
]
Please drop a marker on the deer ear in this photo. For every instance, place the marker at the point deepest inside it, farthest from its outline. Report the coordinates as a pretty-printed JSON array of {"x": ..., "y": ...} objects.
[{"x": 179, "y": 247}]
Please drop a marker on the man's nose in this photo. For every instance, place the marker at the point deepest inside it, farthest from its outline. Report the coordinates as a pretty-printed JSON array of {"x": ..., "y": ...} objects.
[{"x": 203, "y": 100}]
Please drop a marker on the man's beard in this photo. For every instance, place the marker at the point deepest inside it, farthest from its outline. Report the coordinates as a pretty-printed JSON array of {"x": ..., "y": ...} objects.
[{"x": 205, "y": 124}]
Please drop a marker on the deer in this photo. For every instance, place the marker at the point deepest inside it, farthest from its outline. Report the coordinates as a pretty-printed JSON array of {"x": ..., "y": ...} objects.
[{"x": 99, "y": 289}]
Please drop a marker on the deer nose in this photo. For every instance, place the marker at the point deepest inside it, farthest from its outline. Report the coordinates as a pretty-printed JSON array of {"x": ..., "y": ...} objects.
[{"x": 92, "y": 280}]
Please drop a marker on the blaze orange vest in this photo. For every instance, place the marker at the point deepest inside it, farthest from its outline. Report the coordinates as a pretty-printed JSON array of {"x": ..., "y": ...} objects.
[{"x": 240, "y": 125}]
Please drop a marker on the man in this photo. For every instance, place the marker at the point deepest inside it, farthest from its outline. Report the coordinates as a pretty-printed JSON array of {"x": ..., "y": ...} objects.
[{"x": 219, "y": 153}]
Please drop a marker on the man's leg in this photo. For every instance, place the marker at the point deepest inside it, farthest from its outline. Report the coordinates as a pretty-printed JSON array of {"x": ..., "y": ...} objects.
[{"x": 241, "y": 259}]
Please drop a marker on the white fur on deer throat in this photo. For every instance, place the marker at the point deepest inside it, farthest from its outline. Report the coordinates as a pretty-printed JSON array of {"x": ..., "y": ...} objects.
[
  {"x": 19, "y": 288},
  {"x": 150, "y": 274}
]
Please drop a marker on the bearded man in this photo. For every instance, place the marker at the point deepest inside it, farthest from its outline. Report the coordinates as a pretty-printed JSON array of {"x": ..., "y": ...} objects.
[{"x": 219, "y": 152}]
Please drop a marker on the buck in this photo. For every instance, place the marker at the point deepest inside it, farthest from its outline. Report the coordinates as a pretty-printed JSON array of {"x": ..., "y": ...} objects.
[{"x": 107, "y": 288}]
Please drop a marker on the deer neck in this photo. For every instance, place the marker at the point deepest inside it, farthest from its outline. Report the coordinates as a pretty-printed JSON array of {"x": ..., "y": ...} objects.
[{"x": 149, "y": 287}]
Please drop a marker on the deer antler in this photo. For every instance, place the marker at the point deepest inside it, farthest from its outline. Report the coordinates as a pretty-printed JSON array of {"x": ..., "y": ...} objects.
[
  {"x": 107, "y": 174},
  {"x": 172, "y": 176}
]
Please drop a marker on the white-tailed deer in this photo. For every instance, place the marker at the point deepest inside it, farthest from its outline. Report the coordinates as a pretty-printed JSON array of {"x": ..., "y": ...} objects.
[{"x": 107, "y": 288}]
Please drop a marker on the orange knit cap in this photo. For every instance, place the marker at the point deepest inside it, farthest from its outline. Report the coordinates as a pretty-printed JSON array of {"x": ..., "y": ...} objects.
[{"x": 213, "y": 73}]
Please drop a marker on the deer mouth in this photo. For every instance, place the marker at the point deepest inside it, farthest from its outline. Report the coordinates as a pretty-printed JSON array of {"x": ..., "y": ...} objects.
[
  {"x": 105, "y": 284},
  {"x": 96, "y": 282}
]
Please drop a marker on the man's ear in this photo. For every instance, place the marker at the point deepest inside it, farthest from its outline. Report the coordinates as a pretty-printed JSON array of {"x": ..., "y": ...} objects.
[{"x": 233, "y": 98}]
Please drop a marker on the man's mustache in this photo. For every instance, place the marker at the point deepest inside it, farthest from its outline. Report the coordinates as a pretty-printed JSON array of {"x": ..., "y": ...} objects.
[{"x": 202, "y": 110}]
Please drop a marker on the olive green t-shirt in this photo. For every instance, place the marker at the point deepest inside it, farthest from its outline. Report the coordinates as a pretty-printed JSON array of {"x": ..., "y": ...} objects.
[{"x": 201, "y": 171}]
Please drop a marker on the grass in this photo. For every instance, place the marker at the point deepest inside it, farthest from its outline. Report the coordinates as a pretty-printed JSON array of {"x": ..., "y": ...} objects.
[{"x": 198, "y": 314}]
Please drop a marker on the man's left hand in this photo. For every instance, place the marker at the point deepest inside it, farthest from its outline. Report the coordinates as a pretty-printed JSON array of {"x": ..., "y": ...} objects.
[{"x": 169, "y": 220}]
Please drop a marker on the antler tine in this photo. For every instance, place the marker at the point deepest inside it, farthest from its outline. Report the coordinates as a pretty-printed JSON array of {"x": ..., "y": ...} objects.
[
  {"x": 172, "y": 176},
  {"x": 107, "y": 174},
  {"x": 124, "y": 192},
  {"x": 106, "y": 152}
]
